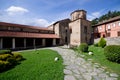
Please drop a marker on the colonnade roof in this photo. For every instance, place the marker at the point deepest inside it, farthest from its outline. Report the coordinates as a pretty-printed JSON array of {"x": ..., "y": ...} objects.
[
  {"x": 23, "y": 26},
  {"x": 26, "y": 35}
]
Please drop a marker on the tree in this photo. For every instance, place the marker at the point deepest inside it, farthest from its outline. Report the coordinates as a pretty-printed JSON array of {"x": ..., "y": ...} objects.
[{"x": 108, "y": 15}]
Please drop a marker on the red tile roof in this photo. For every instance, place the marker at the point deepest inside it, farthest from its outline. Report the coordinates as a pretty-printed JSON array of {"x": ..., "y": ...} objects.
[
  {"x": 23, "y": 26},
  {"x": 26, "y": 35}
]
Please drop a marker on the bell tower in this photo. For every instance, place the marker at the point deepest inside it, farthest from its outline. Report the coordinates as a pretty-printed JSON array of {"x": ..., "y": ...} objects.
[{"x": 78, "y": 14}]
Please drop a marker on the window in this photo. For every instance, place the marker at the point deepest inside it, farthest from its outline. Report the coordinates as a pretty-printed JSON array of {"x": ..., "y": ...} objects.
[
  {"x": 100, "y": 27},
  {"x": 113, "y": 24},
  {"x": 108, "y": 34},
  {"x": 9, "y": 28},
  {"x": 66, "y": 39},
  {"x": 66, "y": 30},
  {"x": 109, "y": 27},
  {"x": 119, "y": 33},
  {"x": 96, "y": 29},
  {"x": 119, "y": 23},
  {"x": 85, "y": 29},
  {"x": 70, "y": 30}
]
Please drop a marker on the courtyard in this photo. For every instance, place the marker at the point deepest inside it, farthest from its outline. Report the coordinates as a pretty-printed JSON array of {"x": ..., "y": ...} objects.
[{"x": 40, "y": 65}]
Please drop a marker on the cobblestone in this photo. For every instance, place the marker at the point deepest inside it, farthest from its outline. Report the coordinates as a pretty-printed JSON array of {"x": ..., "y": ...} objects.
[{"x": 77, "y": 68}]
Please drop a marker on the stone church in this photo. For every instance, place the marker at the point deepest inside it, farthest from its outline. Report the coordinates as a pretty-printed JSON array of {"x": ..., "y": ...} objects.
[{"x": 74, "y": 31}]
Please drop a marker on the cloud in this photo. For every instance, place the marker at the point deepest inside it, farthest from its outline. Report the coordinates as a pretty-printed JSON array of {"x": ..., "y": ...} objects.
[
  {"x": 12, "y": 10},
  {"x": 41, "y": 22},
  {"x": 17, "y": 14},
  {"x": 94, "y": 15}
]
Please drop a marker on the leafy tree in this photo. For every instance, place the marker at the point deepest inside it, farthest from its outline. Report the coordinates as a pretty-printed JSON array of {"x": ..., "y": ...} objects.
[{"x": 108, "y": 15}]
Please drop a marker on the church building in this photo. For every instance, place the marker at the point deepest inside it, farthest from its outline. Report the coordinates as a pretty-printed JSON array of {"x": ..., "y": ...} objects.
[
  {"x": 74, "y": 31},
  {"x": 70, "y": 32}
]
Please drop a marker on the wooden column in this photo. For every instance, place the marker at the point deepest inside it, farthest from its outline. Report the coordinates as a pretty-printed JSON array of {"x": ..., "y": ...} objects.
[
  {"x": 1, "y": 43},
  {"x": 13, "y": 43},
  {"x": 43, "y": 42},
  {"x": 24, "y": 42},
  {"x": 34, "y": 43},
  {"x": 54, "y": 42}
]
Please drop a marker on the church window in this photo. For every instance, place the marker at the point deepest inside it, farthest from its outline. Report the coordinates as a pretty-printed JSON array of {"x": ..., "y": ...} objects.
[
  {"x": 85, "y": 29},
  {"x": 70, "y": 30}
]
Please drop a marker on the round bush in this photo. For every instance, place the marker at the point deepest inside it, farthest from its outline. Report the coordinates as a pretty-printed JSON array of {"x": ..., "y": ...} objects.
[
  {"x": 112, "y": 53},
  {"x": 17, "y": 56},
  {"x": 5, "y": 56},
  {"x": 102, "y": 42},
  {"x": 12, "y": 60},
  {"x": 83, "y": 47}
]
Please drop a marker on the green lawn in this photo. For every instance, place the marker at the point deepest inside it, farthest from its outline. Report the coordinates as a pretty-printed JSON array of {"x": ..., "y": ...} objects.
[
  {"x": 39, "y": 65},
  {"x": 99, "y": 57}
]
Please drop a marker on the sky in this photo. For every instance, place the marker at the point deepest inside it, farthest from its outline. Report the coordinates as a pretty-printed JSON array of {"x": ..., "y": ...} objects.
[{"x": 42, "y": 13}]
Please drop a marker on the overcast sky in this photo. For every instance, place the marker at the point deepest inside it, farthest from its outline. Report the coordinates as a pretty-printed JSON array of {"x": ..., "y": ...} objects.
[{"x": 44, "y": 12}]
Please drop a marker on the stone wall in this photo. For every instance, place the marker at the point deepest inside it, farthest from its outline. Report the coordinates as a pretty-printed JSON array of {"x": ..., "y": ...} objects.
[
  {"x": 110, "y": 41},
  {"x": 75, "y": 33}
]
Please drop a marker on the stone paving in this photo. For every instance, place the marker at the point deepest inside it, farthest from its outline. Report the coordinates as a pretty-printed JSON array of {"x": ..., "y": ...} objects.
[{"x": 77, "y": 68}]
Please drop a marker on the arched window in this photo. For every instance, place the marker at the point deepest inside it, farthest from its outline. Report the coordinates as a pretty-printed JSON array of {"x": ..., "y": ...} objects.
[{"x": 70, "y": 30}]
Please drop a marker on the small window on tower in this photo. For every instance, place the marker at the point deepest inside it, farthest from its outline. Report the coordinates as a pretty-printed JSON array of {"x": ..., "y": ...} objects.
[
  {"x": 66, "y": 30},
  {"x": 85, "y": 29},
  {"x": 70, "y": 30}
]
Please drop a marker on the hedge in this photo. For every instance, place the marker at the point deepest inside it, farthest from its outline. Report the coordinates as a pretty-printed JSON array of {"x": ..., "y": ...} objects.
[
  {"x": 112, "y": 53},
  {"x": 83, "y": 47},
  {"x": 8, "y": 59}
]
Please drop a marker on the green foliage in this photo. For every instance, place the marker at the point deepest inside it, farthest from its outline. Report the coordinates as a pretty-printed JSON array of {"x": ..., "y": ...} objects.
[
  {"x": 17, "y": 56},
  {"x": 101, "y": 59},
  {"x": 3, "y": 65},
  {"x": 106, "y": 16},
  {"x": 9, "y": 59},
  {"x": 83, "y": 47},
  {"x": 96, "y": 44},
  {"x": 5, "y": 51},
  {"x": 102, "y": 42},
  {"x": 5, "y": 56},
  {"x": 112, "y": 53},
  {"x": 94, "y": 21},
  {"x": 12, "y": 61}
]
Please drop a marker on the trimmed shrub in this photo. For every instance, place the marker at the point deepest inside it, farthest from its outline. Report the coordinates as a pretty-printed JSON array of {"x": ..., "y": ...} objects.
[
  {"x": 102, "y": 42},
  {"x": 112, "y": 53},
  {"x": 3, "y": 65},
  {"x": 8, "y": 60},
  {"x": 5, "y": 56},
  {"x": 5, "y": 51},
  {"x": 17, "y": 56},
  {"x": 83, "y": 47},
  {"x": 96, "y": 44},
  {"x": 12, "y": 61}
]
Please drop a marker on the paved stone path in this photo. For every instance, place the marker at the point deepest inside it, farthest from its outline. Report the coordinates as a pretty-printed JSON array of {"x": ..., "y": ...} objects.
[{"x": 76, "y": 68}]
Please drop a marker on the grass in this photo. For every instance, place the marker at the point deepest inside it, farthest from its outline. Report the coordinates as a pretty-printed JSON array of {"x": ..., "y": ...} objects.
[
  {"x": 99, "y": 57},
  {"x": 39, "y": 65}
]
